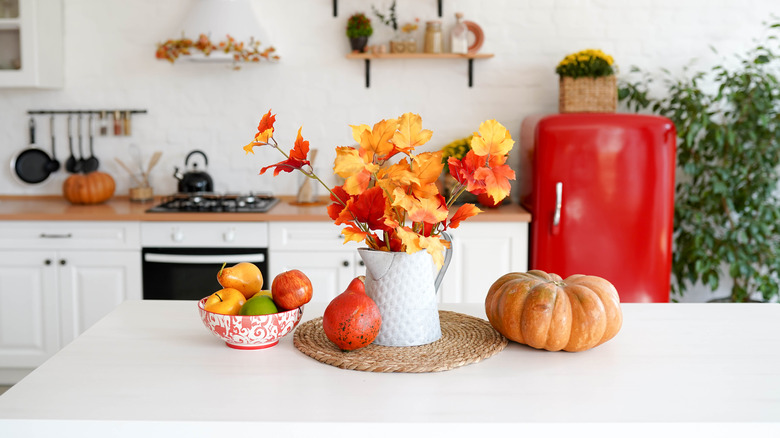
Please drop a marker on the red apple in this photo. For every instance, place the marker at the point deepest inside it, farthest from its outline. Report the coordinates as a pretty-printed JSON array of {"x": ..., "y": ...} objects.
[{"x": 291, "y": 289}]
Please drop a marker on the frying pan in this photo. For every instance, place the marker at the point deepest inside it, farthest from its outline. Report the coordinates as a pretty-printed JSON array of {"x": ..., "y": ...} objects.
[{"x": 30, "y": 164}]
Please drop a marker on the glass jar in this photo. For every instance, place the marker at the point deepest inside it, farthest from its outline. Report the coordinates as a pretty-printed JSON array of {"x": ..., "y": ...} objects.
[
  {"x": 433, "y": 38},
  {"x": 459, "y": 36}
]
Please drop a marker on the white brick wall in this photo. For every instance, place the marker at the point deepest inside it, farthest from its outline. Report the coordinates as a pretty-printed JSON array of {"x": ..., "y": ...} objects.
[{"x": 109, "y": 62}]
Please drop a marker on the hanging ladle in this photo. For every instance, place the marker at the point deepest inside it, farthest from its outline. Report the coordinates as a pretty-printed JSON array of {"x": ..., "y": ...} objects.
[
  {"x": 72, "y": 164},
  {"x": 53, "y": 165},
  {"x": 82, "y": 160},
  {"x": 92, "y": 162}
]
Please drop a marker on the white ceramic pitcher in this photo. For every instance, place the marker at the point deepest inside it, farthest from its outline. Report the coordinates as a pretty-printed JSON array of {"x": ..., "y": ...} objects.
[{"x": 404, "y": 288}]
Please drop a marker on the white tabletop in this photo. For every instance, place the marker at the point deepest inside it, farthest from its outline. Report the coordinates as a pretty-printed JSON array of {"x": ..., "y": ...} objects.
[{"x": 153, "y": 366}]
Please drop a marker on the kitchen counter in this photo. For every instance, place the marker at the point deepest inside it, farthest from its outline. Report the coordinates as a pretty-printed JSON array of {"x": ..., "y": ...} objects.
[
  {"x": 122, "y": 209},
  {"x": 151, "y": 367}
]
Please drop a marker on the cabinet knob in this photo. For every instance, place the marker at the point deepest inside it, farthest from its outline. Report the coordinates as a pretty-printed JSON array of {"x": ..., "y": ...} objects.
[
  {"x": 177, "y": 235},
  {"x": 47, "y": 262},
  {"x": 63, "y": 262},
  {"x": 229, "y": 235},
  {"x": 345, "y": 263},
  {"x": 362, "y": 263}
]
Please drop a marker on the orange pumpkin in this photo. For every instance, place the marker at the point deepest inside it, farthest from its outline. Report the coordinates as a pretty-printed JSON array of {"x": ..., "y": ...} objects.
[
  {"x": 546, "y": 312},
  {"x": 91, "y": 188}
]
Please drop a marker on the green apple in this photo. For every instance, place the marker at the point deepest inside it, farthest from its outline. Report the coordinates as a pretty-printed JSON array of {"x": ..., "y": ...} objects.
[{"x": 259, "y": 305}]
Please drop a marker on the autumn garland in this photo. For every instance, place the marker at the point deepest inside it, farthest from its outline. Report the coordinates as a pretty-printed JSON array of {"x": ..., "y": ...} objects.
[
  {"x": 248, "y": 52},
  {"x": 379, "y": 197}
]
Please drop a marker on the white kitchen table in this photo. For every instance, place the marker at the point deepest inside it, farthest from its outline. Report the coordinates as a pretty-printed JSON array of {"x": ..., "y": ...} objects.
[{"x": 150, "y": 368}]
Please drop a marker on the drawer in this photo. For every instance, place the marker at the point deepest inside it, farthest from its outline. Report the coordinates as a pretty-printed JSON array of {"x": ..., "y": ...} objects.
[
  {"x": 324, "y": 236},
  {"x": 70, "y": 235},
  {"x": 204, "y": 234}
]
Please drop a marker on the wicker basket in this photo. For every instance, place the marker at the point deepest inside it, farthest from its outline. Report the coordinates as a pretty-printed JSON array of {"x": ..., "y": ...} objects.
[{"x": 588, "y": 95}]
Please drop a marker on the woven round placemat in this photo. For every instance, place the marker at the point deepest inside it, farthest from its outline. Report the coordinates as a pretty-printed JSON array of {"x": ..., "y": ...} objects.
[{"x": 465, "y": 340}]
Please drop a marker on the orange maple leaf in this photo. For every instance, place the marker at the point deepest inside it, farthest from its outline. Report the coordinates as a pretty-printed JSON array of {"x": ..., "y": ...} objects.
[
  {"x": 339, "y": 209},
  {"x": 464, "y": 212},
  {"x": 376, "y": 141},
  {"x": 410, "y": 133},
  {"x": 429, "y": 210},
  {"x": 353, "y": 233},
  {"x": 396, "y": 175},
  {"x": 295, "y": 160},
  {"x": 496, "y": 181},
  {"x": 409, "y": 238},
  {"x": 352, "y": 164}
]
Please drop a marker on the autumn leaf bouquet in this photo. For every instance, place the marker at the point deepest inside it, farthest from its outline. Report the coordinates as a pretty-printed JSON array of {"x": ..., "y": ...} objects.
[{"x": 389, "y": 198}]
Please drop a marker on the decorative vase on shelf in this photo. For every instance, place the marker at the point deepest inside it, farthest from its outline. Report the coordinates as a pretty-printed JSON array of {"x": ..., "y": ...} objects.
[
  {"x": 403, "y": 286},
  {"x": 358, "y": 44},
  {"x": 398, "y": 43}
]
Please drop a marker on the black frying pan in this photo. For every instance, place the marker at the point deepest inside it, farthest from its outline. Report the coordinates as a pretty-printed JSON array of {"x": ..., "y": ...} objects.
[{"x": 31, "y": 164}]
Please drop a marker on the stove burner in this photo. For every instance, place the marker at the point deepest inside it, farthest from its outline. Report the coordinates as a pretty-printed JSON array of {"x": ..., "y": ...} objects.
[{"x": 212, "y": 202}]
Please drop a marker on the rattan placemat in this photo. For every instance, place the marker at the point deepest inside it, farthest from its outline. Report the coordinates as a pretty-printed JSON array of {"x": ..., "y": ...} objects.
[{"x": 465, "y": 340}]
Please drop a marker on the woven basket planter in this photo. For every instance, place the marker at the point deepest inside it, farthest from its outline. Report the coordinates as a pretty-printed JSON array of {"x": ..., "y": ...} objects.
[{"x": 588, "y": 95}]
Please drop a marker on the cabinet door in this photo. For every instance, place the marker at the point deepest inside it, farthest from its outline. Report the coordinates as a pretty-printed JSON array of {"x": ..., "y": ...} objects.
[
  {"x": 31, "y": 48},
  {"x": 329, "y": 271},
  {"x": 92, "y": 283},
  {"x": 28, "y": 308},
  {"x": 483, "y": 252}
]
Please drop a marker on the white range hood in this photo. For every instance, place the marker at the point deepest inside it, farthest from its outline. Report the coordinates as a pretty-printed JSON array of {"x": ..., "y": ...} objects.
[{"x": 219, "y": 18}]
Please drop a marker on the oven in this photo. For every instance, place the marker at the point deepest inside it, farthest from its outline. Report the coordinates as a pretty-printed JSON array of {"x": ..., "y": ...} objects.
[{"x": 180, "y": 260}]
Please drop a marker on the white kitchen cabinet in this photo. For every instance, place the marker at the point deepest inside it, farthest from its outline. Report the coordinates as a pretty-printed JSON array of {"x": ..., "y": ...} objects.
[
  {"x": 31, "y": 44},
  {"x": 482, "y": 252},
  {"x": 316, "y": 249},
  {"x": 57, "y": 279}
]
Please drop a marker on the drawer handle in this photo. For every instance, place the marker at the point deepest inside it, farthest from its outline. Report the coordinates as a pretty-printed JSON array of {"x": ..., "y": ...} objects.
[
  {"x": 47, "y": 262},
  {"x": 55, "y": 236},
  {"x": 345, "y": 263},
  {"x": 63, "y": 262}
]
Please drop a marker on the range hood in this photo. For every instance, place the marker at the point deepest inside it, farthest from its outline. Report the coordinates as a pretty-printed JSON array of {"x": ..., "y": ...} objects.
[{"x": 219, "y": 18}]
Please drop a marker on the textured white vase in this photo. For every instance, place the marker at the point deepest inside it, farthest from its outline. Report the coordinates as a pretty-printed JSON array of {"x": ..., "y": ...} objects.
[{"x": 403, "y": 286}]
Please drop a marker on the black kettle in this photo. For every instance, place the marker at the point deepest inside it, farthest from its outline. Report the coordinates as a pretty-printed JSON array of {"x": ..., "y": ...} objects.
[{"x": 194, "y": 180}]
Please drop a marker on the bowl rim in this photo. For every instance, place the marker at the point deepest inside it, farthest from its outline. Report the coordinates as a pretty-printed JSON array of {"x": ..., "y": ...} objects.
[{"x": 202, "y": 306}]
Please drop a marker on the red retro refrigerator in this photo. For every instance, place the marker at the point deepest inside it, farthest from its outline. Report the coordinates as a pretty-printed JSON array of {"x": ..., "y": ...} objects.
[{"x": 602, "y": 199}]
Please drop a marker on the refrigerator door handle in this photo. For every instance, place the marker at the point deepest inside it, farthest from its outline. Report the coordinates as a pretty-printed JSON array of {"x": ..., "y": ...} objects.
[{"x": 558, "y": 203}]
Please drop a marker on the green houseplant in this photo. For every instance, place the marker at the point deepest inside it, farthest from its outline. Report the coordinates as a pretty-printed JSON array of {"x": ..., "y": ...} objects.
[
  {"x": 358, "y": 30},
  {"x": 726, "y": 195}
]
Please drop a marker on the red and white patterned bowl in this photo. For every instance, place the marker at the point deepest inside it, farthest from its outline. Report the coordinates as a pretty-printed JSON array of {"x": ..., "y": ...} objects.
[{"x": 250, "y": 332}]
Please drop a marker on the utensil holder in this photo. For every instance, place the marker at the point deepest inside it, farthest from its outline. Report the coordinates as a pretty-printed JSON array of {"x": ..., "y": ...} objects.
[{"x": 141, "y": 194}]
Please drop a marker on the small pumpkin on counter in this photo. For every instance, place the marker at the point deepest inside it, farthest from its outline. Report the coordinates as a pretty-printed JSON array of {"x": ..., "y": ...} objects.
[
  {"x": 546, "y": 312},
  {"x": 91, "y": 188}
]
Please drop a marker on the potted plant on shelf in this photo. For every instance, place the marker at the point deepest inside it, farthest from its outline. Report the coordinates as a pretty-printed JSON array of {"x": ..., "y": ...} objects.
[
  {"x": 587, "y": 82},
  {"x": 727, "y": 210},
  {"x": 358, "y": 30},
  {"x": 390, "y": 201}
]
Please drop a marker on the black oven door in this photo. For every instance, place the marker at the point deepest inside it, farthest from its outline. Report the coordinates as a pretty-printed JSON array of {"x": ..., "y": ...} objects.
[{"x": 191, "y": 273}]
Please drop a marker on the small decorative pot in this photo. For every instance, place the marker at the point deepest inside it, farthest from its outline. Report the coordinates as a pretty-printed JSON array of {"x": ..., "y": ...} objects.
[
  {"x": 403, "y": 286},
  {"x": 358, "y": 44}
]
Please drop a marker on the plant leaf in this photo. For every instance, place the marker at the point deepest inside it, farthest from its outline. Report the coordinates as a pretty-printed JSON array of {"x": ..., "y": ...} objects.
[
  {"x": 492, "y": 139},
  {"x": 464, "y": 212},
  {"x": 410, "y": 133}
]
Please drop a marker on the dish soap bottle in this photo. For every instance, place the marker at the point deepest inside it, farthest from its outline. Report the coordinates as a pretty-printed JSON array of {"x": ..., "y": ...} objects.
[{"x": 459, "y": 35}]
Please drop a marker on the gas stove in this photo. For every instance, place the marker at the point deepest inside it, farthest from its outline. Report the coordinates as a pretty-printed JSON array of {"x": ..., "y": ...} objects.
[{"x": 206, "y": 202}]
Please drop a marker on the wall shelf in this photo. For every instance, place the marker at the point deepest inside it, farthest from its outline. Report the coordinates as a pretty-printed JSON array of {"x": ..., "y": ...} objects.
[
  {"x": 336, "y": 7},
  {"x": 367, "y": 57}
]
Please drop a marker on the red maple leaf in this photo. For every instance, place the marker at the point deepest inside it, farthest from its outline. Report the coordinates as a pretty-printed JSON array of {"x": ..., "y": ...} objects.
[
  {"x": 369, "y": 208},
  {"x": 464, "y": 171},
  {"x": 296, "y": 158}
]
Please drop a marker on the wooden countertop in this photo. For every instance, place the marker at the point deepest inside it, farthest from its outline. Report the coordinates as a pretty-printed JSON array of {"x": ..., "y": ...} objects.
[{"x": 118, "y": 208}]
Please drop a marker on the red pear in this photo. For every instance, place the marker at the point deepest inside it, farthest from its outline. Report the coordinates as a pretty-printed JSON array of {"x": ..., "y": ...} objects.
[{"x": 352, "y": 319}]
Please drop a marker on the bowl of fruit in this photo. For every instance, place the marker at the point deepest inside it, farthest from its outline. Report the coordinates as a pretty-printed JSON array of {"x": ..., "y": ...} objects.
[{"x": 245, "y": 316}]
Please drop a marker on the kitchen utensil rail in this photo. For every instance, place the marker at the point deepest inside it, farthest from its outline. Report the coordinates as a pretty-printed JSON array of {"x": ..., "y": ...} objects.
[{"x": 85, "y": 111}]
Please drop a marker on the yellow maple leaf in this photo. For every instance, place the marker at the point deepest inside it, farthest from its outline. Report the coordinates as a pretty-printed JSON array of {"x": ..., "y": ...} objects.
[
  {"x": 427, "y": 166},
  {"x": 357, "y": 131},
  {"x": 410, "y": 133},
  {"x": 401, "y": 199},
  {"x": 348, "y": 162},
  {"x": 435, "y": 247},
  {"x": 492, "y": 139},
  {"x": 409, "y": 238},
  {"x": 357, "y": 183}
]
